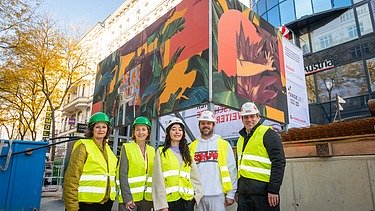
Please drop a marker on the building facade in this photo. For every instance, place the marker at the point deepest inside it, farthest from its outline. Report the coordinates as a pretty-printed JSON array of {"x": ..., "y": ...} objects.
[
  {"x": 105, "y": 37},
  {"x": 337, "y": 38}
]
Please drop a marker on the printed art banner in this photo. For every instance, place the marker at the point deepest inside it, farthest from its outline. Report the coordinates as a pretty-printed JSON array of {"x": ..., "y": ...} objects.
[
  {"x": 162, "y": 69},
  {"x": 247, "y": 61},
  {"x": 228, "y": 122}
]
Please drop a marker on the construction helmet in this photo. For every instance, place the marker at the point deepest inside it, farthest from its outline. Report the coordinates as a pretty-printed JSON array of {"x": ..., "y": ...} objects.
[
  {"x": 249, "y": 108},
  {"x": 99, "y": 117},
  {"x": 175, "y": 120},
  {"x": 141, "y": 120},
  {"x": 207, "y": 116}
]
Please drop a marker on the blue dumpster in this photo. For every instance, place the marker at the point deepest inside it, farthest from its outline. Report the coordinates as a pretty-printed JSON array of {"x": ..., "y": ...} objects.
[{"x": 21, "y": 182}]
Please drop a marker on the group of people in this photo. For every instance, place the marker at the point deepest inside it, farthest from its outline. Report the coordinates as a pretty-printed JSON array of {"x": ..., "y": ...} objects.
[{"x": 202, "y": 175}]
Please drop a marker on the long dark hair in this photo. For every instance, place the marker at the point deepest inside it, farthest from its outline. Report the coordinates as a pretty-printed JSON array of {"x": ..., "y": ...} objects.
[
  {"x": 89, "y": 132},
  {"x": 183, "y": 146}
]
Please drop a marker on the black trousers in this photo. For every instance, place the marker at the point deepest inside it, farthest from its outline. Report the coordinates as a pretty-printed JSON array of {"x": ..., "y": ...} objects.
[
  {"x": 249, "y": 202},
  {"x": 181, "y": 205},
  {"x": 96, "y": 206}
]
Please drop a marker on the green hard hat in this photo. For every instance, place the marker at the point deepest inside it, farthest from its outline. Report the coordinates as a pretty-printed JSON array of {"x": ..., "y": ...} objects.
[
  {"x": 99, "y": 117},
  {"x": 141, "y": 120}
]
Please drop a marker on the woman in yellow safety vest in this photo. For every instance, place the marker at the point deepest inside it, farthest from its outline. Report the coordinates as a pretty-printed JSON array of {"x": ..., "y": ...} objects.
[
  {"x": 175, "y": 182},
  {"x": 135, "y": 169},
  {"x": 89, "y": 181}
]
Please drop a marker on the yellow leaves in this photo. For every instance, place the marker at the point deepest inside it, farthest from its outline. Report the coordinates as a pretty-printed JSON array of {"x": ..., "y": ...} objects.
[{"x": 42, "y": 68}]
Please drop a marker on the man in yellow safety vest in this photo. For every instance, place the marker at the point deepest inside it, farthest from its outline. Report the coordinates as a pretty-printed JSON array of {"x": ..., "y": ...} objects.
[
  {"x": 216, "y": 165},
  {"x": 261, "y": 163}
]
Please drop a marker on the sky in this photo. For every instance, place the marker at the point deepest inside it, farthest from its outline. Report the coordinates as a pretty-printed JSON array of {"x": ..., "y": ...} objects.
[{"x": 85, "y": 12}]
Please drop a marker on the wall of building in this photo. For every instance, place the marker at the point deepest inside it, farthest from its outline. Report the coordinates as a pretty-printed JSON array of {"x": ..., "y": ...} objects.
[{"x": 333, "y": 183}]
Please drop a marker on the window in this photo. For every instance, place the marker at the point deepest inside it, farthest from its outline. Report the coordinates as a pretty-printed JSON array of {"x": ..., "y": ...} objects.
[
  {"x": 347, "y": 81},
  {"x": 303, "y": 7},
  {"x": 264, "y": 16},
  {"x": 261, "y": 7},
  {"x": 371, "y": 71},
  {"x": 340, "y": 3},
  {"x": 364, "y": 19},
  {"x": 305, "y": 43},
  {"x": 79, "y": 117},
  {"x": 83, "y": 90},
  {"x": 310, "y": 87},
  {"x": 352, "y": 31},
  {"x": 271, "y": 3},
  {"x": 87, "y": 116},
  {"x": 321, "y": 5},
  {"x": 347, "y": 16},
  {"x": 274, "y": 17},
  {"x": 337, "y": 31},
  {"x": 325, "y": 41},
  {"x": 287, "y": 11},
  {"x": 356, "y": 52}
]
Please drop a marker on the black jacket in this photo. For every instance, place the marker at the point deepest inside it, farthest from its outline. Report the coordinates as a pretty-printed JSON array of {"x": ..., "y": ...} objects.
[{"x": 274, "y": 147}]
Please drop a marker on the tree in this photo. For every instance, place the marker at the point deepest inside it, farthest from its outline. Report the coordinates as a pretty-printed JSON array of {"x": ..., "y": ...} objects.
[
  {"x": 14, "y": 15},
  {"x": 49, "y": 61},
  {"x": 56, "y": 60},
  {"x": 23, "y": 99}
]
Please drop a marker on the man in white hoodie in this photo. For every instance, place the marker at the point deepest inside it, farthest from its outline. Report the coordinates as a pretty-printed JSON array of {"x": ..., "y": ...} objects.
[{"x": 216, "y": 166}]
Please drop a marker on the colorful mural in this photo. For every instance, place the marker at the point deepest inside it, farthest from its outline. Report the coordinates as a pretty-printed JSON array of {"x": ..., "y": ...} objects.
[
  {"x": 247, "y": 60},
  {"x": 162, "y": 69}
]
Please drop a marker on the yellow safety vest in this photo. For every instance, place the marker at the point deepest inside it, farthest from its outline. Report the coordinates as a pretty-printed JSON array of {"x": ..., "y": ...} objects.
[
  {"x": 254, "y": 162},
  {"x": 226, "y": 182},
  {"x": 139, "y": 175},
  {"x": 96, "y": 173},
  {"x": 176, "y": 177}
]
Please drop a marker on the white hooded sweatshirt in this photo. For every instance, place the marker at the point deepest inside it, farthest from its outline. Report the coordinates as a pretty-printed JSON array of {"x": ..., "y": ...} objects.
[{"x": 206, "y": 155}]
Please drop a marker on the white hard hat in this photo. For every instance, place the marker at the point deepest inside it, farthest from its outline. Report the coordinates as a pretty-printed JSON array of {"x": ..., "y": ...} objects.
[
  {"x": 249, "y": 108},
  {"x": 175, "y": 120},
  {"x": 207, "y": 116}
]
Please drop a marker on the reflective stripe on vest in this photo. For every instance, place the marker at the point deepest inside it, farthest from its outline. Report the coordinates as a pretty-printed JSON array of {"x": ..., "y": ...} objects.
[
  {"x": 176, "y": 177},
  {"x": 95, "y": 176},
  {"x": 253, "y": 162},
  {"x": 226, "y": 181},
  {"x": 140, "y": 181}
]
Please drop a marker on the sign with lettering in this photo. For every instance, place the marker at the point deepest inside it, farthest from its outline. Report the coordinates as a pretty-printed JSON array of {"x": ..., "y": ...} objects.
[
  {"x": 320, "y": 66},
  {"x": 298, "y": 108},
  {"x": 47, "y": 124},
  {"x": 81, "y": 128}
]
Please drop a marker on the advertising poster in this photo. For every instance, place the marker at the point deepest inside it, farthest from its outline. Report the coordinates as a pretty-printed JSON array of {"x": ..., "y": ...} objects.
[{"x": 296, "y": 86}]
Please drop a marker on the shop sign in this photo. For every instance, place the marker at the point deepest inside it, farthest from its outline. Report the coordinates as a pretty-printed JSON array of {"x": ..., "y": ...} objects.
[{"x": 320, "y": 66}]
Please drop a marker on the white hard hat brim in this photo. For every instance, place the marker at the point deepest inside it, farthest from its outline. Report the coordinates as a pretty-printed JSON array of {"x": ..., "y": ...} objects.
[{"x": 249, "y": 113}]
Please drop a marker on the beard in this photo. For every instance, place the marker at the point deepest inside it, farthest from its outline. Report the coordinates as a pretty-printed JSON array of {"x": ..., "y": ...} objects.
[{"x": 206, "y": 132}]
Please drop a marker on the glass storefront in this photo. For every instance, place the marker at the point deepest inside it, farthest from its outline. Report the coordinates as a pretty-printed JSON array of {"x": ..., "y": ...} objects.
[
  {"x": 343, "y": 34},
  {"x": 371, "y": 69},
  {"x": 347, "y": 80}
]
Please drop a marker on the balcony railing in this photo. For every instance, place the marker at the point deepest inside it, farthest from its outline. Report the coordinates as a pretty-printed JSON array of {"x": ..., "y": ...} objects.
[{"x": 76, "y": 103}]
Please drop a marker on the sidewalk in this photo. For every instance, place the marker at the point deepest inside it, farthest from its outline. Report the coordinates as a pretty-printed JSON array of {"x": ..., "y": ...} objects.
[{"x": 53, "y": 201}]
